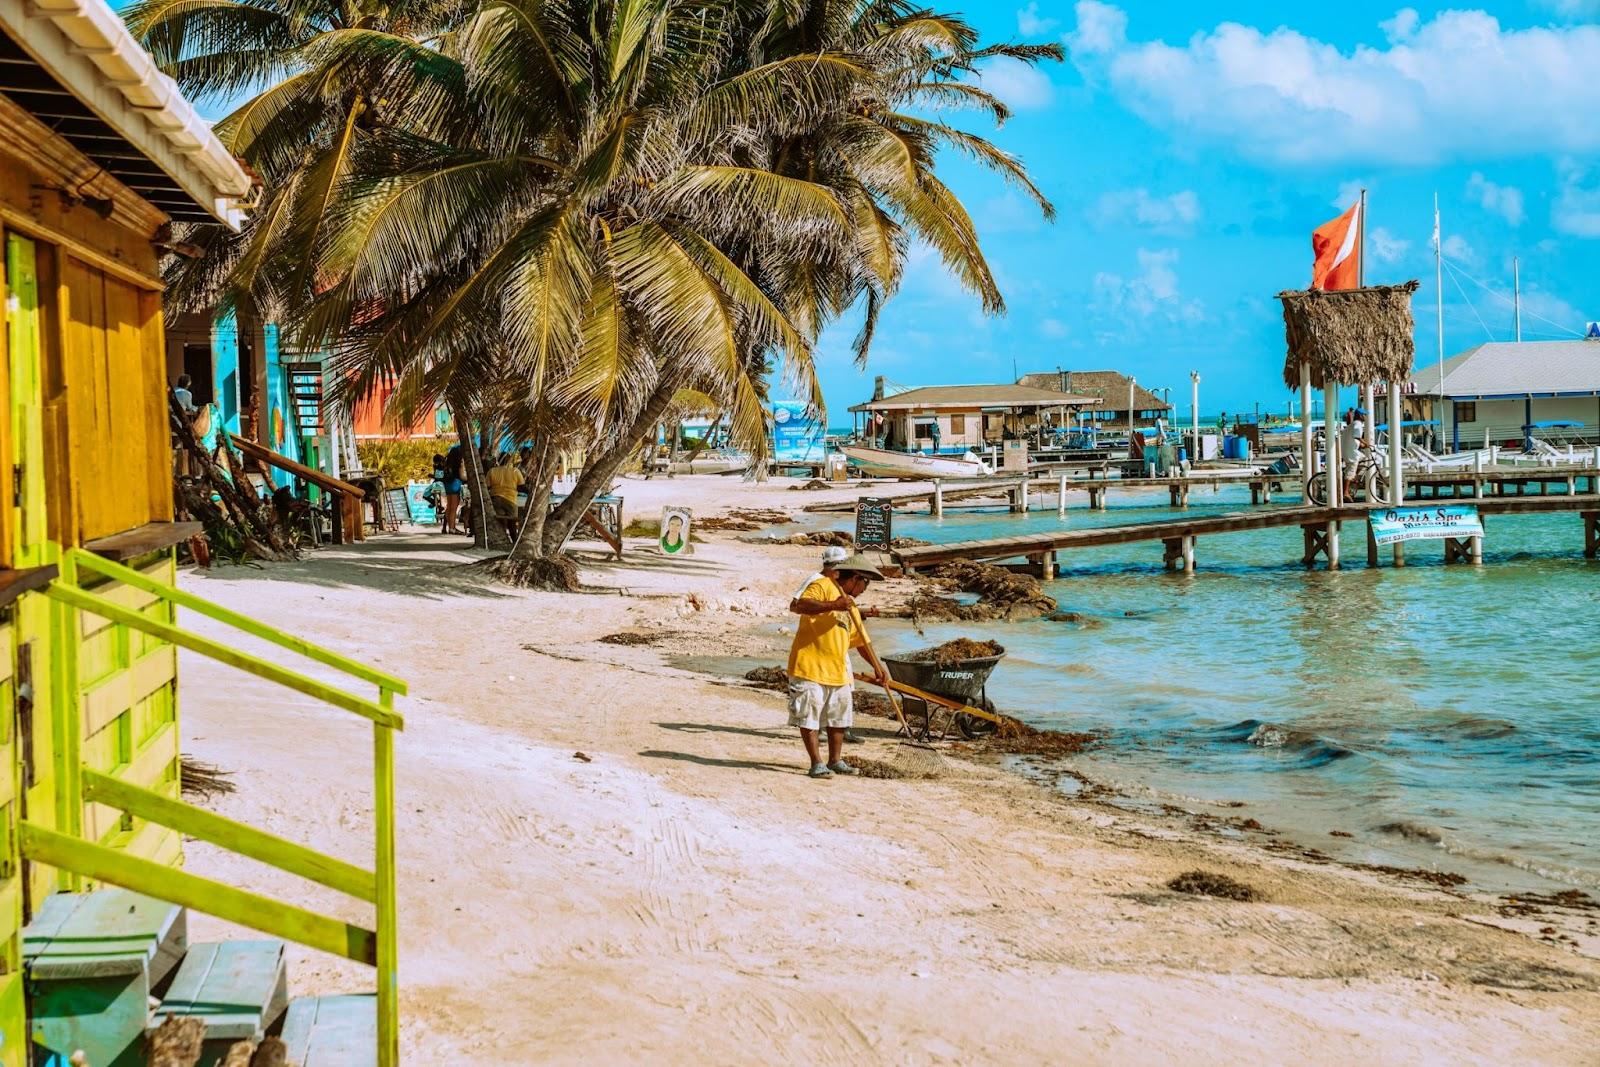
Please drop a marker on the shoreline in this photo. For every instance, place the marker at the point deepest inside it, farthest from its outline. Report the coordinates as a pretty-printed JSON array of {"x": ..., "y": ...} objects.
[{"x": 710, "y": 900}]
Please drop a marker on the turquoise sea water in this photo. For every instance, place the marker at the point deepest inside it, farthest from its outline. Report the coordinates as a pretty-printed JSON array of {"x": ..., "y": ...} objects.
[{"x": 1446, "y": 717}]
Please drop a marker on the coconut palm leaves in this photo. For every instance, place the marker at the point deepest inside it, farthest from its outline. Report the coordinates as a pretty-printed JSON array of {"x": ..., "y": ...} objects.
[{"x": 572, "y": 210}]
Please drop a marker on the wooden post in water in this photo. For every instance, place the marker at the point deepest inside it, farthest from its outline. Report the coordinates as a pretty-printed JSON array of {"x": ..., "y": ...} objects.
[
  {"x": 936, "y": 501},
  {"x": 1397, "y": 467},
  {"x": 1188, "y": 553},
  {"x": 1591, "y": 534},
  {"x": 1330, "y": 433},
  {"x": 1477, "y": 475}
]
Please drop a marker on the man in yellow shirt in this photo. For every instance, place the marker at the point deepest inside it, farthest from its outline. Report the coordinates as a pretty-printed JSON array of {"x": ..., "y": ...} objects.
[
  {"x": 820, "y": 683},
  {"x": 504, "y": 479}
]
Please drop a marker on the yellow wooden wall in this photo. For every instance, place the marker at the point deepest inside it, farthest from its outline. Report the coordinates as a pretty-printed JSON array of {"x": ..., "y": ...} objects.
[{"x": 118, "y": 473}]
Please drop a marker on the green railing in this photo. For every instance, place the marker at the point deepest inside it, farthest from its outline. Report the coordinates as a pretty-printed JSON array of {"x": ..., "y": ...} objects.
[{"x": 68, "y": 851}]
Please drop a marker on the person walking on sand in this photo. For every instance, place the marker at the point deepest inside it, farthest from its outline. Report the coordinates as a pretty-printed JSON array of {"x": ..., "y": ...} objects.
[{"x": 820, "y": 685}]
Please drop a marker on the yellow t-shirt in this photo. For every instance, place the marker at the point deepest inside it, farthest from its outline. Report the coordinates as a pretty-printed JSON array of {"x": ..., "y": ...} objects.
[
  {"x": 822, "y": 643},
  {"x": 504, "y": 481}
]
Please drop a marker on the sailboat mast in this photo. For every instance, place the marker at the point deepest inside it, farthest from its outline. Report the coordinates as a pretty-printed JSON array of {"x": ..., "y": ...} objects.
[
  {"x": 1438, "y": 281},
  {"x": 1516, "y": 295}
]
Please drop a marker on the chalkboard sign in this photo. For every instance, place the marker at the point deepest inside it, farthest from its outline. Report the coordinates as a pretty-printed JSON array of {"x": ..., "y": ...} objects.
[
  {"x": 874, "y": 522},
  {"x": 396, "y": 509}
]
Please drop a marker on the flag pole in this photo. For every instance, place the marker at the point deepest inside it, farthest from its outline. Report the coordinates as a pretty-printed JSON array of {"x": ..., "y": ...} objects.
[{"x": 1361, "y": 242}]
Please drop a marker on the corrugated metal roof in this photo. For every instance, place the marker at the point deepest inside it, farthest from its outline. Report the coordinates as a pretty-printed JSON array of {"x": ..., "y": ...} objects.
[
  {"x": 970, "y": 396},
  {"x": 1510, "y": 368}
]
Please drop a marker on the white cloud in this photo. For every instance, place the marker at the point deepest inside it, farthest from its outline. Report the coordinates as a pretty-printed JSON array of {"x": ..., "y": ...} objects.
[
  {"x": 1503, "y": 200},
  {"x": 1153, "y": 292},
  {"x": 1456, "y": 84},
  {"x": 1386, "y": 247},
  {"x": 1023, "y": 87},
  {"x": 1137, "y": 206},
  {"x": 1576, "y": 210},
  {"x": 1349, "y": 192},
  {"x": 1031, "y": 24},
  {"x": 1052, "y": 327},
  {"x": 1457, "y": 248},
  {"x": 1573, "y": 9}
]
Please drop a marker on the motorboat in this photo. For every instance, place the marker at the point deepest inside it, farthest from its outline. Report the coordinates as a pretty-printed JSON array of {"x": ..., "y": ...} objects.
[{"x": 882, "y": 462}]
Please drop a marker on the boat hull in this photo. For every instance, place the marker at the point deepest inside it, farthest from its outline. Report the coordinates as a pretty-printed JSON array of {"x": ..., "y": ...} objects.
[{"x": 884, "y": 463}]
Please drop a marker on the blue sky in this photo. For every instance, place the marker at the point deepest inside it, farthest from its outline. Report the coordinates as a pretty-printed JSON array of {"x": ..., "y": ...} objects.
[{"x": 1191, "y": 148}]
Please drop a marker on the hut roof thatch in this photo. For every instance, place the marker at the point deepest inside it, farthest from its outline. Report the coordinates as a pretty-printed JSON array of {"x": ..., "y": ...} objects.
[{"x": 1352, "y": 336}]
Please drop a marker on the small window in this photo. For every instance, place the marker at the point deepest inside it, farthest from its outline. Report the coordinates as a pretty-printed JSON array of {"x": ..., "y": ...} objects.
[
  {"x": 923, "y": 429},
  {"x": 958, "y": 425},
  {"x": 1467, "y": 412}
]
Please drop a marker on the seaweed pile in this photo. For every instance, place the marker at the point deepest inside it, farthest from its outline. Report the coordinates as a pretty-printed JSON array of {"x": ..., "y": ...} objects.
[
  {"x": 962, "y": 648},
  {"x": 1211, "y": 884},
  {"x": 1002, "y": 594},
  {"x": 1017, "y": 738}
]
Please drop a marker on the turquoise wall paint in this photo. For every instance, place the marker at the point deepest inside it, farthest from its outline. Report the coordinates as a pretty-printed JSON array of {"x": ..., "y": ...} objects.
[{"x": 225, "y": 370}]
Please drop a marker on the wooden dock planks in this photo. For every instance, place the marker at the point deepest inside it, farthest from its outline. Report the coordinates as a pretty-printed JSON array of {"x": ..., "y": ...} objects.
[{"x": 1201, "y": 526}]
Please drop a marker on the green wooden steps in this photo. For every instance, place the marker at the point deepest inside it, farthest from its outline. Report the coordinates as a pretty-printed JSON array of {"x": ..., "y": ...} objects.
[
  {"x": 332, "y": 1031},
  {"x": 91, "y": 961},
  {"x": 238, "y": 989}
]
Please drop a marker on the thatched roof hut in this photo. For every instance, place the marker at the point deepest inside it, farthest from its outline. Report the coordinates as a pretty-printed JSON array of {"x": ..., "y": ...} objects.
[{"x": 1352, "y": 336}]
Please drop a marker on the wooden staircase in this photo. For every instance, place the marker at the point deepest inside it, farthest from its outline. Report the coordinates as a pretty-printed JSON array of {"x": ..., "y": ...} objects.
[
  {"x": 305, "y": 397},
  {"x": 106, "y": 968}
]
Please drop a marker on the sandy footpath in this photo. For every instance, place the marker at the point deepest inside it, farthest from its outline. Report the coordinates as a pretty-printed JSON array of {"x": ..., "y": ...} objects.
[{"x": 690, "y": 896}]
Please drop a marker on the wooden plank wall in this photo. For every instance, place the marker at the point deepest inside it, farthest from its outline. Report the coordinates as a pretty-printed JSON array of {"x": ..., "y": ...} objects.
[
  {"x": 128, "y": 700},
  {"x": 12, "y": 1019}
]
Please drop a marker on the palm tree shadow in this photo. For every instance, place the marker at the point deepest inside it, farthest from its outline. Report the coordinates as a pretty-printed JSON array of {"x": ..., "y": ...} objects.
[
  {"x": 727, "y": 764},
  {"x": 773, "y": 734}
]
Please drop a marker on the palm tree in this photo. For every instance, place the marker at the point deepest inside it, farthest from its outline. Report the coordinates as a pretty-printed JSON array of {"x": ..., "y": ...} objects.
[
  {"x": 584, "y": 207},
  {"x": 681, "y": 195}
]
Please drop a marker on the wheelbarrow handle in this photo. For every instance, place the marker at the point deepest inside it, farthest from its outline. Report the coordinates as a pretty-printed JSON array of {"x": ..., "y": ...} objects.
[{"x": 935, "y": 698}]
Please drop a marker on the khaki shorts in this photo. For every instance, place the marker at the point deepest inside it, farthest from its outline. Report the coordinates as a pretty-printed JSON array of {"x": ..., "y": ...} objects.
[{"x": 813, "y": 705}]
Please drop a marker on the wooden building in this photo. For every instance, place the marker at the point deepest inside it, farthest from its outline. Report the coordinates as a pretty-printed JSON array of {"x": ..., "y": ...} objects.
[
  {"x": 972, "y": 417},
  {"x": 99, "y": 156},
  {"x": 1510, "y": 393}
]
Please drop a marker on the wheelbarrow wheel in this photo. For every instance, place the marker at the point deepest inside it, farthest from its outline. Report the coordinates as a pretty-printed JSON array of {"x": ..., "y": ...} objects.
[{"x": 973, "y": 727}]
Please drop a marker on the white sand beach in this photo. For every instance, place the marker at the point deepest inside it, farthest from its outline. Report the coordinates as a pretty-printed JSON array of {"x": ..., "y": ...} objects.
[{"x": 687, "y": 894}]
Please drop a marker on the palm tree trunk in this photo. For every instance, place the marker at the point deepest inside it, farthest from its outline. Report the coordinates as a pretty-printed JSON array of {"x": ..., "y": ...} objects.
[
  {"x": 599, "y": 470},
  {"x": 530, "y": 539},
  {"x": 482, "y": 510}
]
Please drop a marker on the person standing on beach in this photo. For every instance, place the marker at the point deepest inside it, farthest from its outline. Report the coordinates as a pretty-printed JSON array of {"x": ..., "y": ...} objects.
[
  {"x": 821, "y": 693},
  {"x": 452, "y": 489}
]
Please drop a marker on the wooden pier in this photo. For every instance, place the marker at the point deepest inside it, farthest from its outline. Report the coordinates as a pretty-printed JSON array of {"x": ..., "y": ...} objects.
[
  {"x": 1018, "y": 491},
  {"x": 1320, "y": 529}
]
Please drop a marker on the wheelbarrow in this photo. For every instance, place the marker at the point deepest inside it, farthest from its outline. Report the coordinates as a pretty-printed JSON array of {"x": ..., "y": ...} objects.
[{"x": 962, "y": 681}]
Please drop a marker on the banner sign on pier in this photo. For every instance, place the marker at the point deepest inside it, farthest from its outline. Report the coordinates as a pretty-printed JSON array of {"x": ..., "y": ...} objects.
[{"x": 1424, "y": 524}]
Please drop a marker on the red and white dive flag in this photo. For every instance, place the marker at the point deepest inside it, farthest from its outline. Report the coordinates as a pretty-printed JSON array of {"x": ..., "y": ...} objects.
[{"x": 1336, "y": 248}]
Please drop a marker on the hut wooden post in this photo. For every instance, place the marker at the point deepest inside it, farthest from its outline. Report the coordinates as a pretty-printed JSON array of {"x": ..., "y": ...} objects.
[
  {"x": 1330, "y": 447},
  {"x": 1397, "y": 482},
  {"x": 1308, "y": 460}
]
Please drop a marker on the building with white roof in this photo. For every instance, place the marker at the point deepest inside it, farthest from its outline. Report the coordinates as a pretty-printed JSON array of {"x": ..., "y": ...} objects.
[{"x": 1506, "y": 392}]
